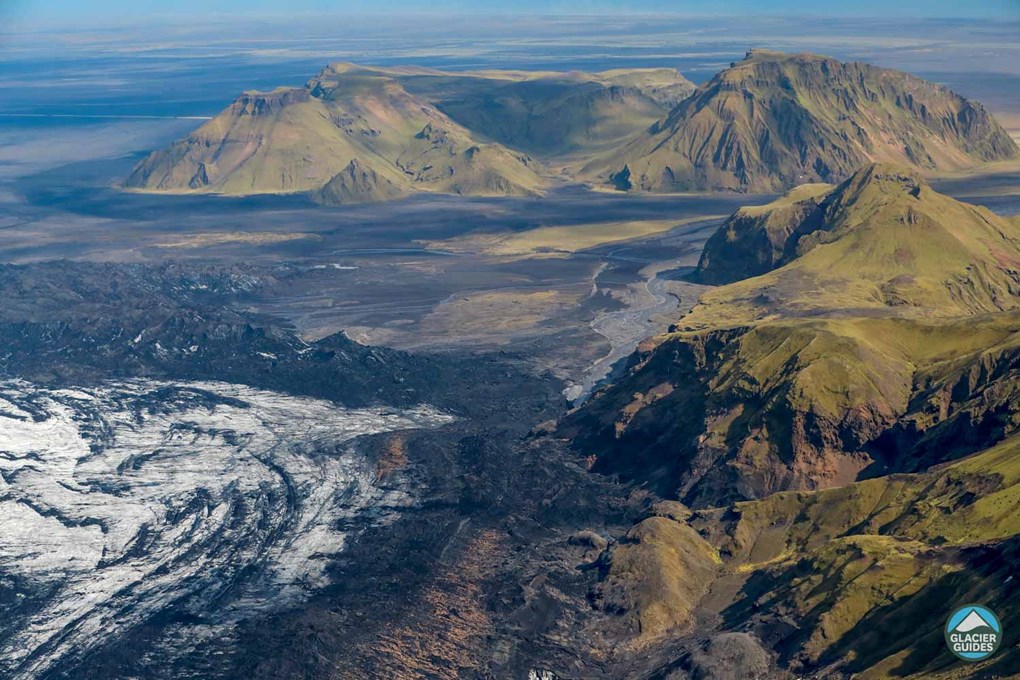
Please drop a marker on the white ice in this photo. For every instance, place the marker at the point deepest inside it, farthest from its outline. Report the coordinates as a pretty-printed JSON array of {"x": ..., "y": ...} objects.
[{"x": 135, "y": 495}]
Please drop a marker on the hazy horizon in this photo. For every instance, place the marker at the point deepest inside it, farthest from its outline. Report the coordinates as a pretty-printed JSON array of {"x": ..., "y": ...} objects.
[{"x": 36, "y": 14}]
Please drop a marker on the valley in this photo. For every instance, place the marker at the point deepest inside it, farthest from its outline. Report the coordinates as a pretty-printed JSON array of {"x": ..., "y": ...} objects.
[
  {"x": 417, "y": 274},
  {"x": 638, "y": 354}
]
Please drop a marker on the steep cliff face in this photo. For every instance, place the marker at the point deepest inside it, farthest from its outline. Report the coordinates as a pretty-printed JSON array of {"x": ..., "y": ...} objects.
[
  {"x": 719, "y": 416},
  {"x": 758, "y": 239},
  {"x": 776, "y": 120}
]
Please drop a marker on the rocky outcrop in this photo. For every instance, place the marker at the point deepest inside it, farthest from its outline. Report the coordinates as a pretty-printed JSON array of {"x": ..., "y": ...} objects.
[
  {"x": 758, "y": 239},
  {"x": 358, "y": 184},
  {"x": 268, "y": 103}
]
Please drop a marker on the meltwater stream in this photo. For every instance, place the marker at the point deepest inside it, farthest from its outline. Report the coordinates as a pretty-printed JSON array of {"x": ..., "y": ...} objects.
[{"x": 215, "y": 500}]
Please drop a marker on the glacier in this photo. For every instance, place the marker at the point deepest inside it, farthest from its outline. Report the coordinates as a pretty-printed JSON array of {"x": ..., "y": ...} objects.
[{"x": 214, "y": 500}]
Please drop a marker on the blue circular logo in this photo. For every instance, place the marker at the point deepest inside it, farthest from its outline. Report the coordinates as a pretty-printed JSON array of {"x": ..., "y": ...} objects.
[{"x": 973, "y": 632}]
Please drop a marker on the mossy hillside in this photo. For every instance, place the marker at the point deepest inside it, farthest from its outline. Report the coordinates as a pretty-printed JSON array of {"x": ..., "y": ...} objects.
[
  {"x": 833, "y": 366},
  {"x": 831, "y": 564},
  {"x": 300, "y": 139},
  {"x": 855, "y": 579},
  {"x": 974, "y": 500},
  {"x": 883, "y": 242},
  {"x": 655, "y": 576},
  {"x": 854, "y": 458},
  {"x": 774, "y": 120},
  {"x": 804, "y": 403},
  {"x": 829, "y": 591},
  {"x": 808, "y": 375},
  {"x": 551, "y": 114}
]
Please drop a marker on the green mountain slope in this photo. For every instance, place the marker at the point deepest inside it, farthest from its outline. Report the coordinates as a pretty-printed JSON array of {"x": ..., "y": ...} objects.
[
  {"x": 276, "y": 142},
  {"x": 409, "y": 129},
  {"x": 776, "y": 120},
  {"x": 852, "y": 457},
  {"x": 551, "y": 114},
  {"x": 883, "y": 241},
  {"x": 855, "y": 580},
  {"x": 897, "y": 307},
  {"x": 297, "y": 140}
]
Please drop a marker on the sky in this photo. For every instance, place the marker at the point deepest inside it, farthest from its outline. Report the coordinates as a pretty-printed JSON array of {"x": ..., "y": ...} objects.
[{"x": 103, "y": 11}]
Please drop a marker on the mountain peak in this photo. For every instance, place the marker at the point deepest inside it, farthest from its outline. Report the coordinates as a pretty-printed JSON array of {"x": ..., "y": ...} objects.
[
  {"x": 255, "y": 103},
  {"x": 358, "y": 183},
  {"x": 882, "y": 240},
  {"x": 888, "y": 178},
  {"x": 776, "y": 120},
  {"x": 884, "y": 171},
  {"x": 761, "y": 54},
  {"x": 765, "y": 54}
]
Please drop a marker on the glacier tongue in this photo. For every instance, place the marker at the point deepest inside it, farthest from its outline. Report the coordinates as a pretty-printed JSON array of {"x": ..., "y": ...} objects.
[{"x": 216, "y": 500}]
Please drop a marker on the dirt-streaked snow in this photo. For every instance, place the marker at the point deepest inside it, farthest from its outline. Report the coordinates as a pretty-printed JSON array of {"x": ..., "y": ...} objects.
[{"x": 136, "y": 497}]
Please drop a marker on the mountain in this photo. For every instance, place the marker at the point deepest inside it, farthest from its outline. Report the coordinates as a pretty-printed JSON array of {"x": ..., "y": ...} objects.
[
  {"x": 851, "y": 456},
  {"x": 776, "y": 120},
  {"x": 376, "y": 134},
  {"x": 883, "y": 240},
  {"x": 299, "y": 139},
  {"x": 841, "y": 430},
  {"x": 280, "y": 141},
  {"x": 551, "y": 114},
  {"x": 769, "y": 122},
  {"x": 838, "y": 362},
  {"x": 358, "y": 184}
]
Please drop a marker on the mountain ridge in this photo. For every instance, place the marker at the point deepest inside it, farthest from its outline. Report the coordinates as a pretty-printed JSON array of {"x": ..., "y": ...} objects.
[
  {"x": 806, "y": 375},
  {"x": 776, "y": 120},
  {"x": 838, "y": 470},
  {"x": 409, "y": 129},
  {"x": 767, "y": 123},
  {"x": 295, "y": 140}
]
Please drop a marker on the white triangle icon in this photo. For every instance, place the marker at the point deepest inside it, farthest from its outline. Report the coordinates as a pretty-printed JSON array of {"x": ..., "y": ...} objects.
[{"x": 972, "y": 621}]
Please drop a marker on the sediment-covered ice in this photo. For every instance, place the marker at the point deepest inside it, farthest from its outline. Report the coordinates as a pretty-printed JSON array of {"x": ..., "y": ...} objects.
[{"x": 213, "y": 499}]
